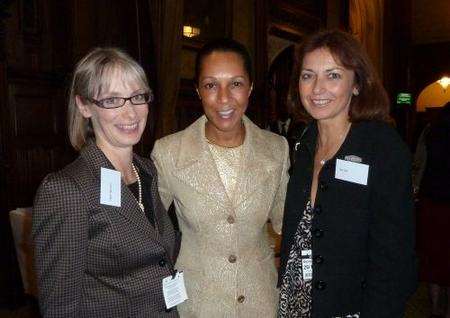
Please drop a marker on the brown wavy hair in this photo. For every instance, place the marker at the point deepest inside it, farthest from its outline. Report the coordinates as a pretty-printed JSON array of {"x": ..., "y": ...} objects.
[{"x": 372, "y": 102}]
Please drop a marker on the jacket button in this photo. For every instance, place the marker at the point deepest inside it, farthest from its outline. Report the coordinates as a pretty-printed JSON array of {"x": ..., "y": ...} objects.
[
  {"x": 323, "y": 186},
  {"x": 230, "y": 219},
  {"x": 232, "y": 258},
  {"x": 318, "y": 259},
  {"x": 318, "y": 233},
  {"x": 162, "y": 262},
  {"x": 363, "y": 284},
  {"x": 317, "y": 209},
  {"x": 241, "y": 299},
  {"x": 321, "y": 285}
]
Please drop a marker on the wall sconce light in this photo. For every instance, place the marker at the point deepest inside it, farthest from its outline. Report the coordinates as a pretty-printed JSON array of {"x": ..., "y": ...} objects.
[
  {"x": 444, "y": 82},
  {"x": 190, "y": 31}
]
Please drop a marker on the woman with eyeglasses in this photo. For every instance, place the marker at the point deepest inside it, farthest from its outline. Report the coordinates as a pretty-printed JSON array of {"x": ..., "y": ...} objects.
[{"x": 103, "y": 240}]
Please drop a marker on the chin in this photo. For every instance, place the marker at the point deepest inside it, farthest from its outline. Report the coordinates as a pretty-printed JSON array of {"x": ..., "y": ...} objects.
[{"x": 228, "y": 127}]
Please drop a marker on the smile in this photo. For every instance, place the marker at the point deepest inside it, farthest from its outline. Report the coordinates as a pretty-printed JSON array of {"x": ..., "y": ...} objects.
[
  {"x": 226, "y": 113},
  {"x": 129, "y": 127},
  {"x": 320, "y": 102}
]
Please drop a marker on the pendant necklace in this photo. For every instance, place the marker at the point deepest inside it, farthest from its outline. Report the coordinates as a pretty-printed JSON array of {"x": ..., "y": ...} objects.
[{"x": 341, "y": 140}]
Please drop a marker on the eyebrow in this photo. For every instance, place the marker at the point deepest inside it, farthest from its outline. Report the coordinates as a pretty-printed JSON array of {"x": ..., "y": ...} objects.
[
  {"x": 214, "y": 78},
  {"x": 117, "y": 94},
  {"x": 327, "y": 70}
]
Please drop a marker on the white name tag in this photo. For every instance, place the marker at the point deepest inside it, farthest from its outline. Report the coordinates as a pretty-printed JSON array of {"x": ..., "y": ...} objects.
[
  {"x": 307, "y": 264},
  {"x": 174, "y": 290},
  {"x": 110, "y": 187},
  {"x": 351, "y": 171}
]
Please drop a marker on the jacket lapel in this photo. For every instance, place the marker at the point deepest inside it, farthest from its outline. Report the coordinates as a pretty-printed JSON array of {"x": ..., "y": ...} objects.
[
  {"x": 195, "y": 165},
  {"x": 160, "y": 213},
  {"x": 258, "y": 163},
  {"x": 96, "y": 159}
]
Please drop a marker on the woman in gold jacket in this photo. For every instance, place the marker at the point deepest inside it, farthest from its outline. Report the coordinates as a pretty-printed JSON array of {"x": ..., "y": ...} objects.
[{"x": 226, "y": 177}]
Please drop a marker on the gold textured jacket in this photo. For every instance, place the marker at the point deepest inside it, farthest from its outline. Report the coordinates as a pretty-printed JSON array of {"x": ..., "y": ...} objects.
[{"x": 225, "y": 251}]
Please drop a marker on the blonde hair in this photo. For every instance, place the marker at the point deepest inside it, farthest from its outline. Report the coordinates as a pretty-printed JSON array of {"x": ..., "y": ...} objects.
[{"x": 92, "y": 75}]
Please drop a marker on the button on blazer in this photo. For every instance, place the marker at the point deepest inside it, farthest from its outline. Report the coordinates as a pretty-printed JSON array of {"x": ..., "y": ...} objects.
[
  {"x": 362, "y": 235},
  {"x": 95, "y": 260}
]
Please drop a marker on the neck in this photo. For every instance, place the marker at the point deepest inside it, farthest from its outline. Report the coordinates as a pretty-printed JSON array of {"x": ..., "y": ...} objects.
[
  {"x": 332, "y": 132},
  {"x": 227, "y": 139},
  {"x": 121, "y": 160}
]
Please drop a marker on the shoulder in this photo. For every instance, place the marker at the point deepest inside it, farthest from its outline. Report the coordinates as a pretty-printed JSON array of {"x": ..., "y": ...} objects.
[
  {"x": 267, "y": 138},
  {"x": 173, "y": 141},
  {"x": 382, "y": 136},
  {"x": 59, "y": 193},
  {"x": 64, "y": 180},
  {"x": 384, "y": 144},
  {"x": 170, "y": 141},
  {"x": 271, "y": 138}
]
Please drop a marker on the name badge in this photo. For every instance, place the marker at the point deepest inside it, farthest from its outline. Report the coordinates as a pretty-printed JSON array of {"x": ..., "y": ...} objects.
[
  {"x": 110, "y": 187},
  {"x": 307, "y": 264},
  {"x": 174, "y": 290},
  {"x": 352, "y": 171}
]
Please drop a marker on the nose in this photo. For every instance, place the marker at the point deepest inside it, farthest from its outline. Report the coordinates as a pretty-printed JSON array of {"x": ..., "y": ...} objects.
[
  {"x": 129, "y": 109},
  {"x": 318, "y": 86},
  {"x": 223, "y": 94}
]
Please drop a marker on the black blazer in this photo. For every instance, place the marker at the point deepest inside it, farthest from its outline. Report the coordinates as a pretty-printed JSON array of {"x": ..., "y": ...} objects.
[
  {"x": 363, "y": 236},
  {"x": 94, "y": 260}
]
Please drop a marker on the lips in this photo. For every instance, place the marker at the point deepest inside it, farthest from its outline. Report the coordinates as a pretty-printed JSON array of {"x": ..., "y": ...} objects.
[
  {"x": 128, "y": 127},
  {"x": 321, "y": 102},
  {"x": 225, "y": 114}
]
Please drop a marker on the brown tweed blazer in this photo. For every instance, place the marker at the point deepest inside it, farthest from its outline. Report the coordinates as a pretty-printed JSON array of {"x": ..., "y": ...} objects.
[{"x": 95, "y": 260}]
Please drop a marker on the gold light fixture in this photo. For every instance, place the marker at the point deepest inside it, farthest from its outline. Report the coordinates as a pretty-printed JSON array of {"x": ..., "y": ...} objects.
[
  {"x": 444, "y": 82},
  {"x": 190, "y": 31}
]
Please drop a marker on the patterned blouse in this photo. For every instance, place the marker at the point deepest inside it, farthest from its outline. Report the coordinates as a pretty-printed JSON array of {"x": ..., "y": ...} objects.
[{"x": 296, "y": 292}]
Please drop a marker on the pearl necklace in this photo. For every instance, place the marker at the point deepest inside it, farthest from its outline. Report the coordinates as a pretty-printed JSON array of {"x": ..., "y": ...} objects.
[{"x": 141, "y": 205}]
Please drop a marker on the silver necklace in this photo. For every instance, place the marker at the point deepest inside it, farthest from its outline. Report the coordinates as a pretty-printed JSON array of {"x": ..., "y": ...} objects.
[
  {"x": 141, "y": 205},
  {"x": 341, "y": 140}
]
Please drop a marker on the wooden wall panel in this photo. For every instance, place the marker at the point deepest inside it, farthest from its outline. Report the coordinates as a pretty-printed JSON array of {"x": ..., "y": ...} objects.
[
  {"x": 38, "y": 135},
  {"x": 36, "y": 61}
]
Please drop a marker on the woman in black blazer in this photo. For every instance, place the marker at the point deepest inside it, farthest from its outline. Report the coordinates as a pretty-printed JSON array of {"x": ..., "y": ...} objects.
[
  {"x": 103, "y": 240},
  {"x": 348, "y": 239}
]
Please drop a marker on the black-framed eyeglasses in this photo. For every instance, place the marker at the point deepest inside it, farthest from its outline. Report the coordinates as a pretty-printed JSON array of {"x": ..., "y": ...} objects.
[{"x": 116, "y": 102}]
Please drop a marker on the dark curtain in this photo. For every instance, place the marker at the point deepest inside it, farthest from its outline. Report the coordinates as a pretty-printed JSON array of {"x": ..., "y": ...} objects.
[{"x": 167, "y": 25}]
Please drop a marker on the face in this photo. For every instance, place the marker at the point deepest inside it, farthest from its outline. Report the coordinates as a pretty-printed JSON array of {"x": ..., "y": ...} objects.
[
  {"x": 119, "y": 128},
  {"x": 224, "y": 88},
  {"x": 325, "y": 86}
]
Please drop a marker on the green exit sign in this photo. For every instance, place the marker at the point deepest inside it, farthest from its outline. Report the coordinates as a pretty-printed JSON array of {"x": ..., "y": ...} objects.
[{"x": 404, "y": 98}]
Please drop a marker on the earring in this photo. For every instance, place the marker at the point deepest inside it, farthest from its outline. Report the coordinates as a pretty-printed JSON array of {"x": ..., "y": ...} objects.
[{"x": 356, "y": 92}]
